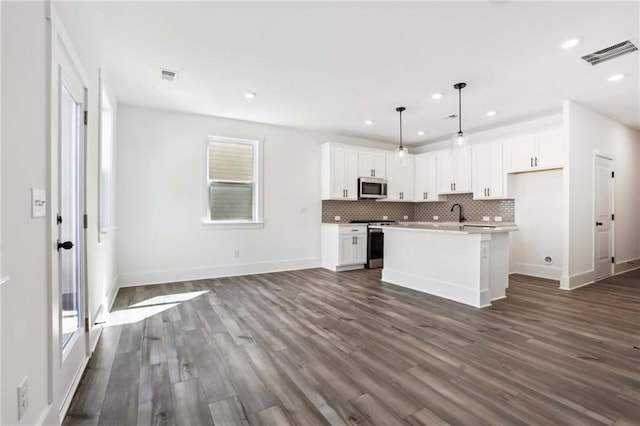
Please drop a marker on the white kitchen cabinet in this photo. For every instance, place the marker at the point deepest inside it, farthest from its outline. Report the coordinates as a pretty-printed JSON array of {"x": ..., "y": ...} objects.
[
  {"x": 339, "y": 172},
  {"x": 454, "y": 172},
  {"x": 372, "y": 164},
  {"x": 534, "y": 151},
  {"x": 400, "y": 178},
  {"x": 488, "y": 170},
  {"x": 426, "y": 173},
  {"x": 344, "y": 246}
]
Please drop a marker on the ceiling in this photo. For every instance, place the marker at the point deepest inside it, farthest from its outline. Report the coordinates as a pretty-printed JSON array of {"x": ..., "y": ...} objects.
[{"x": 330, "y": 66}]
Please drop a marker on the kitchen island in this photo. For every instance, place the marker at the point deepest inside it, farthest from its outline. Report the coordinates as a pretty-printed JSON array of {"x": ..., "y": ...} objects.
[{"x": 467, "y": 263}]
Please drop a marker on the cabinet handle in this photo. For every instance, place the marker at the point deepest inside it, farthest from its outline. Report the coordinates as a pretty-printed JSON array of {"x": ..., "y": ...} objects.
[
  {"x": 531, "y": 161},
  {"x": 374, "y": 172},
  {"x": 426, "y": 195},
  {"x": 451, "y": 186},
  {"x": 346, "y": 192},
  {"x": 536, "y": 161},
  {"x": 454, "y": 186},
  {"x": 489, "y": 192},
  {"x": 485, "y": 192}
]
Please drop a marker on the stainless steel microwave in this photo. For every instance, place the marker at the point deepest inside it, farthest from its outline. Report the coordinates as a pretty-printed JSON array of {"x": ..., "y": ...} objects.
[{"x": 372, "y": 188}]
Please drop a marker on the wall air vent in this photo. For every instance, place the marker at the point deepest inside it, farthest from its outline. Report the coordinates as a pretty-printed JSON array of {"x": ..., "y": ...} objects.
[
  {"x": 449, "y": 116},
  {"x": 610, "y": 52},
  {"x": 168, "y": 75}
]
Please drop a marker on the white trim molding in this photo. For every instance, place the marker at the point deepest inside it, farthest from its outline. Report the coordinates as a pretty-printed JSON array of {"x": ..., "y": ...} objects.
[{"x": 129, "y": 279}]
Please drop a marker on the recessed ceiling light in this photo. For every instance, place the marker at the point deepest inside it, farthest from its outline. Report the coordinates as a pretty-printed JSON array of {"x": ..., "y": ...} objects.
[
  {"x": 573, "y": 42},
  {"x": 436, "y": 95},
  {"x": 616, "y": 77},
  {"x": 369, "y": 122},
  {"x": 249, "y": 95},
  {"x": 421, "y": 133},
  {"x": 491, "y": 113}
]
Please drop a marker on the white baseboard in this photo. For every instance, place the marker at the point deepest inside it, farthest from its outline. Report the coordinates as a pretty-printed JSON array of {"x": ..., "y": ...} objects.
[
  {"x": 540, "y": 271},
  {"x": 626, "y": 266},
  {"x": 48, "y": 417},
  {"x": 577, "y": 280},
  {"x": 444, "y": 289},
  {"x": 66, "y": 403},
  {"x": 129, "y": 279}
]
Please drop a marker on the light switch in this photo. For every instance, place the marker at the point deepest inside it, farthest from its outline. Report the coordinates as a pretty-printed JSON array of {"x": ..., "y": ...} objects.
[
  {"x": 385, "y": 217},
  {"x": 486, "y": 218},
  {"x": 498, "y": 218},
  {"x": 38, "y": 202},
  {"x": 436, "y": 217}
]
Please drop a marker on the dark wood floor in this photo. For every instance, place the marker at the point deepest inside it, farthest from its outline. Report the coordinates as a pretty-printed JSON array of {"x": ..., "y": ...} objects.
[{"x": 314, "y": 347}]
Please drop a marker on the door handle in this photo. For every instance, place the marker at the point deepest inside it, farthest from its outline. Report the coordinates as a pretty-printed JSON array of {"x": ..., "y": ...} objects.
[
  {"x": 67, "y": 245},
  {"x": 599, "y": 223}
]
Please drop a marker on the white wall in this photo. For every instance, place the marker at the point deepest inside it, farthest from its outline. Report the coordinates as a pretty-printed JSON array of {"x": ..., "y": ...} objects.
[
  {"x": 590, "y": 133},
  {"x": 160, "y": 188},
  {"x": 539, "y": 217},
  {"x": 24, "y": 322}
]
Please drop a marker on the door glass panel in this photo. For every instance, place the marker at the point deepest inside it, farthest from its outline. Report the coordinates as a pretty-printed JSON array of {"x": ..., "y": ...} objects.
[{"x": 70, "y": 274}]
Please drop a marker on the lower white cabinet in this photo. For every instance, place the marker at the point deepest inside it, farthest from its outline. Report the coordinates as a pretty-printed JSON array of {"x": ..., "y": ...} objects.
[{"x": 344, "y": 246}]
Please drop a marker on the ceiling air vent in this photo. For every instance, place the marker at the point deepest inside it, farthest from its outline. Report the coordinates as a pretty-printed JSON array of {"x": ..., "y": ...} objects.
[
  {"x": 610, "y": 52},
  {"x": 168, "y": 75},
  {"x": 449, "y": 116}
]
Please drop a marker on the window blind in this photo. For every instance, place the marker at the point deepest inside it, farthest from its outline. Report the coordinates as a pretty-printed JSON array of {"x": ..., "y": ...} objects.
[
  {"x": 230, "y": 161},
  {"x": 231, "y": 180}
]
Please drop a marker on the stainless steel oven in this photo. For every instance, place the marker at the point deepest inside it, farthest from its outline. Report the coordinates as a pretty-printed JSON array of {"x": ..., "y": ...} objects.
[{"x": 372, "y": 188}]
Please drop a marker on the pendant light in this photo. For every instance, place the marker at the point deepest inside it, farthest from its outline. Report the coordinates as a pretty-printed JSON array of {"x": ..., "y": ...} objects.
[
  {"x": 401, "y": 151},
  {"x": 459, "y": 140}
]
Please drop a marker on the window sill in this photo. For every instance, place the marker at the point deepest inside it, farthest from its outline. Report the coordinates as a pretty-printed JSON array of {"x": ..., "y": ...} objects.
[{"x": 232, "y": 225}]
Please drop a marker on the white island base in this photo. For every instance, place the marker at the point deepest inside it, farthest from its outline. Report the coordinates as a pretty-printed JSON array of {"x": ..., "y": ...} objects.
[{"x": 470, "y": 268}]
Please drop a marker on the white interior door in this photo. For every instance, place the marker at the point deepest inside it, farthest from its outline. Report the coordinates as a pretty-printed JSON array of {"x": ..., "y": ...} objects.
[{"x": 603, "y": 209}]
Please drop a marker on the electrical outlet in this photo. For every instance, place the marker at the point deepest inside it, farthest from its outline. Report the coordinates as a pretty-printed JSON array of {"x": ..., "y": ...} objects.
[
  {"x": 406, "y": 217},
  {"x": 436, "y": 217},
  {"x": 336, "y": 218},
  {"x": 23, "y": 397},
  {"x": 498, "y": 218},
  {"x": 236, "y": 254},
  {"x": 385, "y": 217},
  {"x": 486, "y": 218}
]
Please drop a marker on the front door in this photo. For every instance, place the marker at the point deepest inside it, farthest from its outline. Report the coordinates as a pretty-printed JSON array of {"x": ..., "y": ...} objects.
[
  {"x": 70, "y": 340},
  {"x": 603, "y": 223}
]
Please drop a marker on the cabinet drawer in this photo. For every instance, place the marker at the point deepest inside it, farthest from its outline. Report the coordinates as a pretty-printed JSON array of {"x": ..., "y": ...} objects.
[{"x": 353, "y": 229}]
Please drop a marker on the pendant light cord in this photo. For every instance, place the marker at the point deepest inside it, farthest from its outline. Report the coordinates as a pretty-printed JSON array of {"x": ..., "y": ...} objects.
[
  {"x": 401, "y": 129},
  {"x": 460, "y": 110}
]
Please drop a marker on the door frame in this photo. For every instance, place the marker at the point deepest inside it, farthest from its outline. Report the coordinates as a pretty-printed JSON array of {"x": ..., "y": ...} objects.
[
  {"x": 598, "y": 154},
  {"x": 60, "y": 398}
]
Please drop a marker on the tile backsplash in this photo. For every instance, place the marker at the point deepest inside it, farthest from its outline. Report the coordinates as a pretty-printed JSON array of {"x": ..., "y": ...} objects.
[
  {"x": 473, "y": 210},
  {"x": 365, "y": 210}
]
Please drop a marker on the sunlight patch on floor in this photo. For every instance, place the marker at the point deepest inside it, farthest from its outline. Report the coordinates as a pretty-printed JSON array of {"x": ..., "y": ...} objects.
[{"x": 149, "y": 307}]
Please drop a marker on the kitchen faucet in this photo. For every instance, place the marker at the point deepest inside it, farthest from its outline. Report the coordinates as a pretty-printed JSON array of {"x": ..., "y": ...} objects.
[{"x": 460, "y": 215}]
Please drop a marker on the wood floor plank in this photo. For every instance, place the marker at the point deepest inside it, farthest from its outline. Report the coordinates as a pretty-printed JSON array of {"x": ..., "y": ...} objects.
[
  {"x": 317, "y": 347},
  {"x": 155, "y": 404},
  {"x": 272, "y": 416},
  {"x": 120, "y": 405},
  {"x": 228, "y": 412},
  {"x": 191, "y": 404}
]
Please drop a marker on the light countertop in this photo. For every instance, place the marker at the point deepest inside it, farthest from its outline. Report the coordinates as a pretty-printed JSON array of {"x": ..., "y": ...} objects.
[{"x": 453, "y": 227}]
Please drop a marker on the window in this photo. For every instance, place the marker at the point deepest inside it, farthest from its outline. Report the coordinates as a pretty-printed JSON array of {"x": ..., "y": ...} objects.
[
  {"x": 233, "y": 181},
  {"x": 106, "y": 219}
]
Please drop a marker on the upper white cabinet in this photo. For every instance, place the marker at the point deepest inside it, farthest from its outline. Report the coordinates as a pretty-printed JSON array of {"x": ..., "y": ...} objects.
[
  {"x": 339, "y": 172},
  {"x": 372, "y": 164},
  {"x": 542, "y": 150},
  {"x": 454, "y": 172},
  {"x": 426, "y": 178},
  {"x": 488, "y": 170},
  {"x": 400, "y": 178}
]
